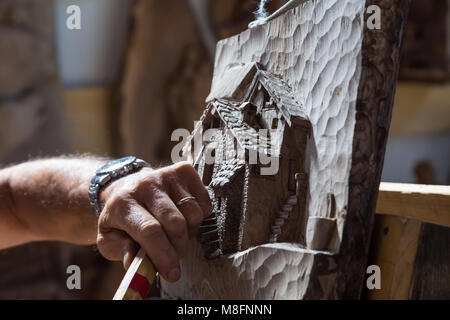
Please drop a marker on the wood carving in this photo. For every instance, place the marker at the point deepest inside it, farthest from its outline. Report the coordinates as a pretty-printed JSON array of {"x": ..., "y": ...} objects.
[
  {"x": 302, "y": 76},
  {"x": 259, "y": 140}
]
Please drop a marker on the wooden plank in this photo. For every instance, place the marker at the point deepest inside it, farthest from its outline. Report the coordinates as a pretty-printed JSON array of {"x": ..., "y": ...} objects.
[
  {"x": 432, "y": 268},
  {"x": 394, "y": 246},
  {"x": 337, "y": 194},
  {"x": 428, "y": 203}
]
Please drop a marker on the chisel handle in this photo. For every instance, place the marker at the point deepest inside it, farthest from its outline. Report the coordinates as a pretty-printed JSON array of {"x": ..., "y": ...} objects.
[{"x": 138, "y": 279}]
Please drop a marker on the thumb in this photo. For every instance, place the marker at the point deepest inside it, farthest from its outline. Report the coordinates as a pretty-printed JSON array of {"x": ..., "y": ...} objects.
[{"x": 116, "y": 245}]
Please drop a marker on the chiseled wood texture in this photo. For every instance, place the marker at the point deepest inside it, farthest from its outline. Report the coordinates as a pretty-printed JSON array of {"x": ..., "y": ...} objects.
[
  {"x": 316, "y": 48},
  {"x": 427, "y": 203},
  {"x": 249, "y": 100},
  {"x": 381, "y": 55},
  {"x": 269, "y": 271},
  {"x": 320, "y": 57}
]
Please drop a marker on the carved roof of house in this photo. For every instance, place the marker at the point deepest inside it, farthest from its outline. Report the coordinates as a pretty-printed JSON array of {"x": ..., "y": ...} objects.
[
  {"x": 239, "y": 82},
  {"x": 247, "y": 137},
  {"x": 226, "y": 173},
  {"x": 238, "y": 86},
  {"x": 282, "y": 95}
]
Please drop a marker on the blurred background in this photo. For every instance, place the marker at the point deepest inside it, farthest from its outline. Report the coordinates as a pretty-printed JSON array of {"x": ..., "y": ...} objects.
[{"x": 137, "y": 70}]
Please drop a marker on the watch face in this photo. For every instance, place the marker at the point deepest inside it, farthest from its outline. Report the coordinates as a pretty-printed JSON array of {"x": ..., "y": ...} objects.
[{"x": 116, "y": 165}]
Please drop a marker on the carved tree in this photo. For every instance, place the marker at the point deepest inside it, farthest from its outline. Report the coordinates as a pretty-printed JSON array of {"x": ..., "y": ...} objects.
[{"x": 343, "y": 76}]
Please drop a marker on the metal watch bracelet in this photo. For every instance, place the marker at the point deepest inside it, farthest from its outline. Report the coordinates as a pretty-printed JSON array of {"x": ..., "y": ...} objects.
[{"x": 110, "y": 172}]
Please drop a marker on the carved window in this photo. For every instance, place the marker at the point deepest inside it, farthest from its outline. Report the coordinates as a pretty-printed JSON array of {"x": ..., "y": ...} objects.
[
  {"x": 215, "y": 123},
  {"x": 207, "y": 173},
  {"x": 250, "y": 114},
  {"x": 192, "y": 148},
  {"x": 292, "y": 172},
  {"x": 274, "y": 123}
]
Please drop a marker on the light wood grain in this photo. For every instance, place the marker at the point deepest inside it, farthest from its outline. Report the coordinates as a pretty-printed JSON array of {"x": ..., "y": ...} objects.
[
  {"x": 428, "y": 203},
  {"x": 394, "y": 247}
]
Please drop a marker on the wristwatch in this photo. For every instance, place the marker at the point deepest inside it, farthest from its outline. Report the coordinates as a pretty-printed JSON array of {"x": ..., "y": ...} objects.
[{"x": 110, "y": 172}]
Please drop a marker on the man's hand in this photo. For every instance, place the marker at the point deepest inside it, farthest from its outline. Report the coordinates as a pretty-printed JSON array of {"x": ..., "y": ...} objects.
[
  {"x": 48, "y": 200},
  {"x": 141, "y": 209}
]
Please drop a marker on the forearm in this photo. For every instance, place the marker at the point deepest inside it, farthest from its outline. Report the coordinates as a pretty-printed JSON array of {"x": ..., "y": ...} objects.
[{"x": 48, "y": 200}]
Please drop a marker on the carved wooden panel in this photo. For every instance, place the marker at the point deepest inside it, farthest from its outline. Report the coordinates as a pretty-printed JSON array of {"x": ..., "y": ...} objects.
[{"x": 346, "y": 91}]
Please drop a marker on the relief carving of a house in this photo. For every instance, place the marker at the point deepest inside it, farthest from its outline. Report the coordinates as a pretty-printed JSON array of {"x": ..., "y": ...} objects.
[{"x": 253, "y": 162}]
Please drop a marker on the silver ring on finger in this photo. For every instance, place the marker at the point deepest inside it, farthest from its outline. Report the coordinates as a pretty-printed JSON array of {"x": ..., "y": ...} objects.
[{"x": 186, "y": 200}]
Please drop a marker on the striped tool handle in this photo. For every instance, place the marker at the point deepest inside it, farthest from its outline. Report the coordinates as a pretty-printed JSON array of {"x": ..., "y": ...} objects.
[{"x": 137, "y": 281}]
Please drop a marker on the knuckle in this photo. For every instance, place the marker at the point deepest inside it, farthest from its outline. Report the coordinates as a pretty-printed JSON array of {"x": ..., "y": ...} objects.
[
  {"x": 196, "y": 219},
  {"x": 156, "y": 181},
  {"x": 185, "y": 165},
  {"x": 105, "y": 248},
  {"x": 118, "y": 200},
  {"x": 101, "y": 241},
  {"x": 176, "y": 224},
  {"x": 184, "y": 168},
  {"x": 103, "y": 219},
  {"x": 152, "y": 180},
  {"x": 152, "y": 231}
]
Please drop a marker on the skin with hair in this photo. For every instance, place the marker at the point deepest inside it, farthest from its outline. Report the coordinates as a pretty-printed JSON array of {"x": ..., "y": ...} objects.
[{"x": 48, "y": 199}]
